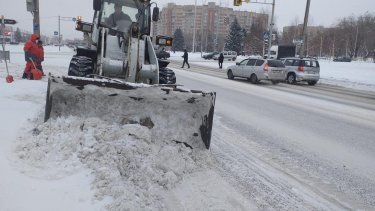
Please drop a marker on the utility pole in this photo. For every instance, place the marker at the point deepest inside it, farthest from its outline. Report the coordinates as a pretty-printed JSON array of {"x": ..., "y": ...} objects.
[
  {"x": 270, "y": 30},
  {"x": 303, "y": 48},
  {"x": 217, "y": 27},
  {"x": 33, "y": 7},
  {"x": 59, "y": 34},
  {"x": 195, "y": 18},
  {"x": 36, "y": 19},
  {"x": 202, "y": 30}
]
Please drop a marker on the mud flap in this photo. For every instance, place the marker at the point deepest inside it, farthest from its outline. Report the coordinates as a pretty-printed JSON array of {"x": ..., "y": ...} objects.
[{"x": 172, "y": 114}]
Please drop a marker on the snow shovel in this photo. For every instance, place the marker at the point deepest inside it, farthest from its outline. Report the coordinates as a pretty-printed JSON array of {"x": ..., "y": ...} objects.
[
  {"x": 9, "y": 78},
  {"x": 36, "y": 73}
]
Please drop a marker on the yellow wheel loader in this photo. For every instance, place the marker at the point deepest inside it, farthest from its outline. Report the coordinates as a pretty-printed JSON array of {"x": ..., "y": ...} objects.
[{"x": 118, "y": 78}]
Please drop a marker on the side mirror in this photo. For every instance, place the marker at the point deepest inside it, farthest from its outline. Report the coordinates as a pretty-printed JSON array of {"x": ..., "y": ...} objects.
[
  {"x": 155, "y": 14},
  {"x": 237, "y": 63},
  {"x": 97, "y": 4}
]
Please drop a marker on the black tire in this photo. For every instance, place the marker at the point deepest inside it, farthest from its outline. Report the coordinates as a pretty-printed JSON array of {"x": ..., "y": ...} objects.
[
  {"x": 166, "y": 76},
  {"x": 81, "y": 66},
  {"x": 230, "y": 75},
  {"x": 291, "y": 78},
  {"x": 312, "y": 83},
  {"x": 253, "y": 79},
  {"x": 234, "y": 59}
]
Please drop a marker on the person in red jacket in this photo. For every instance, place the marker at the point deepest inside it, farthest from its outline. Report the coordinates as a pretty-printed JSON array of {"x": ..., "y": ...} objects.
[{"x": 32, "y": 51}]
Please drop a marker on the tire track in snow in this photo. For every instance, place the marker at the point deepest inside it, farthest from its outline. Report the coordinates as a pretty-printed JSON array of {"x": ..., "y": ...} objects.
[{"x": 271, "y": 188}]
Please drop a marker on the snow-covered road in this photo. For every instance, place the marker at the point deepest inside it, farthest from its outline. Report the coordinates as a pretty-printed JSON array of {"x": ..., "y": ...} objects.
[{"x": 293, "y": 147}]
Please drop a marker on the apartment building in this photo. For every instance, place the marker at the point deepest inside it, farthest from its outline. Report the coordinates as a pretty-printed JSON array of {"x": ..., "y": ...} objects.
[{"x": 212, "y": 23}]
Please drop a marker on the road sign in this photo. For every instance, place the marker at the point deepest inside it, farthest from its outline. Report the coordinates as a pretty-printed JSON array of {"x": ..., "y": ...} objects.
[
  {"x": 8, "y": 21},
  {"x": 298, "y": 42},
  {"x": 55, "y": 33},
  {"x": 266, "y": 35}
]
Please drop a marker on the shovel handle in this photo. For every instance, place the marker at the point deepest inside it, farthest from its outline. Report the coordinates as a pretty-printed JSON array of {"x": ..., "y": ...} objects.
[{"x": 31, "y": 59}]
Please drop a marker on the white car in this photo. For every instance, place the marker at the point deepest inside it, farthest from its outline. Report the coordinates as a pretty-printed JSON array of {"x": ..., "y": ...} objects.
[
  {"x": 256, "y": 69},
  {"x": 228, "y": 55}
]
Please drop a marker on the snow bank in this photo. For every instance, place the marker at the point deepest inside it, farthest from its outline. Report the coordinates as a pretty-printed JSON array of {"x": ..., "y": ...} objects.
[{"x": 127, "y": 165}]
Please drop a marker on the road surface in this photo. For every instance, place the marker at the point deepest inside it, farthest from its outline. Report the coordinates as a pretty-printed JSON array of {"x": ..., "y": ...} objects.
[{"x": 291, "y": 147}]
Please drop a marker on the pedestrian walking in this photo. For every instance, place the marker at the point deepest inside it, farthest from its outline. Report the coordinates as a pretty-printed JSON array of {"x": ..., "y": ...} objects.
[
  {"x": 186, "y": 58},
  {"x": 221, "y": 59}
]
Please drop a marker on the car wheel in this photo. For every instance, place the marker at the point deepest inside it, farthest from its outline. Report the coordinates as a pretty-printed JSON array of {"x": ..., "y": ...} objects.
[
  {"x": 311, "y": 83},
  {"x": 230, "y": 75},
  {"x": 253, "y": 79},
  {"x": 291, "y": 79},
  {"x": 234, "y": 58}
]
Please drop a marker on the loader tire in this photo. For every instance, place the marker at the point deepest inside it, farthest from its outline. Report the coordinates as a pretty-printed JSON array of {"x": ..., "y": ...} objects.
[
  {"x": 81, "y": 66},
  {"x": 166, "y": 76}
]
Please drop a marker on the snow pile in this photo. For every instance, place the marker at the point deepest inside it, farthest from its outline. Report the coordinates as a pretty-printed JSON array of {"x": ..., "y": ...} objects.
[{"x": 128, "y": 165}]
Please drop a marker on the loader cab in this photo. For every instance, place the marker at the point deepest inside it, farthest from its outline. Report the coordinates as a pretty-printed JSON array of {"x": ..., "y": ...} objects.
[{"x": 121, "y": 14}]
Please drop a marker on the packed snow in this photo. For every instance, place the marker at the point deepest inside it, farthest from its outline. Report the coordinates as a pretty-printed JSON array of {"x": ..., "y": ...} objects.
[{"x": 72, "y": 163}]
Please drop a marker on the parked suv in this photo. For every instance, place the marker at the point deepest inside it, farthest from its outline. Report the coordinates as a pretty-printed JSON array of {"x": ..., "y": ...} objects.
[
  {"x": 256, "y": 69},
  {"x": 342, "y": 59},
  {"x": 302, "y": 69},
  {"x": 228, "y": 55}
]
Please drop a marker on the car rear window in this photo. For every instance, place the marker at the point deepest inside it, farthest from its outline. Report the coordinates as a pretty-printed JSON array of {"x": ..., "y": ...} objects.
[
  {"x": 311, "y": 63},
  {"x": 315, "y": 64},
  {"x": 275, "y": 63}
]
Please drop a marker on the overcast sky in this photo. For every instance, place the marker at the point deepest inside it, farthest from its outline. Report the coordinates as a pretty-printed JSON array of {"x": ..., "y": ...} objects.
[{"x": 322, "y": 12}]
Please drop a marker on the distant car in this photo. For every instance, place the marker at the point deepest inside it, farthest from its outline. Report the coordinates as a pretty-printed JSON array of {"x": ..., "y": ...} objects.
[
  {"x": 228, "y": 55},
  {"x": 162, "y": 54},
  {"x": 209, "y": 55},
  {"x": 302, "y": 69},
  {"x": 342, "y": 59},
  {"x": 256, "y": 69}
]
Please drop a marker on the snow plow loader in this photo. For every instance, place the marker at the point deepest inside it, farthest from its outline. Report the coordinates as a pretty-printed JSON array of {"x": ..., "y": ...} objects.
[{"x": 118, "y": 78}]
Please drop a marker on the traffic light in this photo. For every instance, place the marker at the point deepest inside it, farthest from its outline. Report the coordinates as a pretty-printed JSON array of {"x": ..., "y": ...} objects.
[
  {"x": 265, "y": 42},
  {"x": 237, "y": 2}
]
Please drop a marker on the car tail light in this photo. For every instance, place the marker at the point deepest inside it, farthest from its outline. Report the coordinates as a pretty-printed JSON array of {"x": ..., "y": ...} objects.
[
  {"x": 265, "y": 68},
  {"x": 300, "y": 68}
]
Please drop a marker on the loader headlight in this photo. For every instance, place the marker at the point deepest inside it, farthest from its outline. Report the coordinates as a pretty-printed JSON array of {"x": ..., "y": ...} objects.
[{"x": 164, "y": 40}]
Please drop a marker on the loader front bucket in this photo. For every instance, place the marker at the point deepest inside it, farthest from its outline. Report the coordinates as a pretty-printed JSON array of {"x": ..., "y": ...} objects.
[{"x": 172, "y": 114}]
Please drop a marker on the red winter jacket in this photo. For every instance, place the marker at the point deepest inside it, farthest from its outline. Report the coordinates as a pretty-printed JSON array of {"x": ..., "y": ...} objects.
[{"x": 32, "y": 50}]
